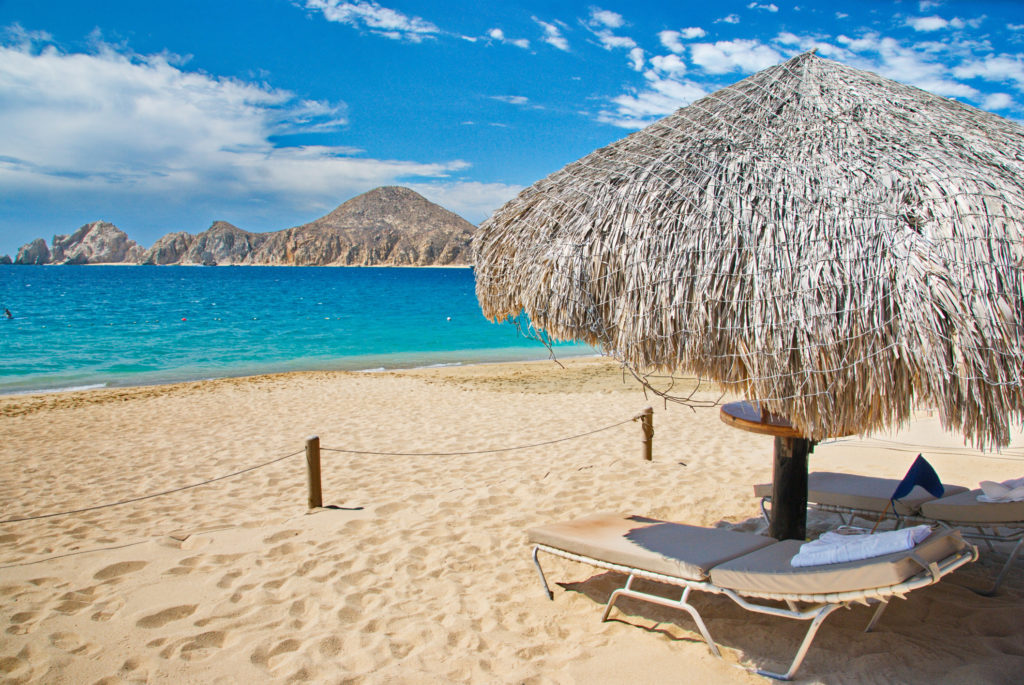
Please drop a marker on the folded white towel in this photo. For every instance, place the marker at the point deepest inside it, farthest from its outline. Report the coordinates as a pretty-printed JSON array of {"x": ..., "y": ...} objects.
[
  {"x": 835, "y": 548},
  {"x": 1007, "y": 491}
]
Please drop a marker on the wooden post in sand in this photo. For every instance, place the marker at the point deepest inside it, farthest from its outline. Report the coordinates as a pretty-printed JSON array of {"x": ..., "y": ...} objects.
[
  {"x": 316, "y": 498},
  {"x": 647, "y": 425}
]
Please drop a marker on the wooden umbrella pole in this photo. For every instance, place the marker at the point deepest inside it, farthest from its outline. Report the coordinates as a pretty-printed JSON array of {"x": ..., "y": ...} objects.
[{"x": 789, "y": 488}]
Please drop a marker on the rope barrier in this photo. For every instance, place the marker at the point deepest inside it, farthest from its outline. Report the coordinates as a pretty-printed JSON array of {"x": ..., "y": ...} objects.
[
  {"x": 499, "y": 449},
  {"x": 287, "y": 456},
  {"x": 151, "y": 496}
]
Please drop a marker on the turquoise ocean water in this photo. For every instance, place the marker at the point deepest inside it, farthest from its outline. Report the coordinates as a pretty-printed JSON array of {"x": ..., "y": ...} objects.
[{"x": 99, "y": 326}]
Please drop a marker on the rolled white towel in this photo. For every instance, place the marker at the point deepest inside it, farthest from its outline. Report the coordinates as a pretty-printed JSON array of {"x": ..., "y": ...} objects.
[
  {"x": 1007, "y": 491},
  {"x": 834, "y": 548}
]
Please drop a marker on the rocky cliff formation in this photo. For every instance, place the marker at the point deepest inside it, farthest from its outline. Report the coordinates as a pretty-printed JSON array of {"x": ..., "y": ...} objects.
[
  {"x": 389, "y": 226},
  {"x": 96, "y": 243},
  {"x": 170, "y": 249},
  {"x": 223, "y": 244},
  {"x": 5, "y": 260},
  {"x": 35, "y": 252}
]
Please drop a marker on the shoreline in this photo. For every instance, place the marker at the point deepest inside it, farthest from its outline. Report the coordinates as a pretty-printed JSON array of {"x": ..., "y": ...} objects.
[{"x": 341, "y": 367}]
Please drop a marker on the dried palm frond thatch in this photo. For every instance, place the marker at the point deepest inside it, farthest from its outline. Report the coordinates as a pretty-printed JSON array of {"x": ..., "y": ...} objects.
[{"x": 834, "y": 244}]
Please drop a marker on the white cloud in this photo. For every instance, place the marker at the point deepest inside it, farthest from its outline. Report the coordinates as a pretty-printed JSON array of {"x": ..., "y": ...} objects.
[
  {"x": 733, "y": 55},
  {"x": 611, "y": 42},
  {"x": 927, "y": 23},
  {"x": 601, "y": 23},
  {"x": 374, "y": 18},
  {"x": 470, "y": 199},
  {"x": 662, "y": 96},
  {"x": 606, "y": 18},
  {"x": 668, "y": 64},
  {"x": 771, "y": 7},
  {"x": 636, "y": 56},
  {"x": 729, "y": 19},
  {"x": 925, "y": 5},
  {"x": 935, "y": 23},
  {"x": 841, "y": 15},
  {"x": 512, "y": 99},
  {"x": 672, "y": 39},
  {"x": 553, "y": 35},
  {"x": 998, "y": 68},
  {"x": 997, "y": 101},
  {"x": 499, "y": 35},
  {"x": 112, "y": 121}
]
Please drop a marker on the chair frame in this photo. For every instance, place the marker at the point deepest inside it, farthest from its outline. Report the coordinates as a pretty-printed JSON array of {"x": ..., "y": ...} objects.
[{"x": 820, "y": 605}]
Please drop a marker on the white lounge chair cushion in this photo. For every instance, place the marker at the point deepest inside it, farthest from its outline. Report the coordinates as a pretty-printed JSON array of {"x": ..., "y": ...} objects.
[
  {"x": 861, "y": 492},
  {"x": 672, "y": 549},
  {"x": 965, "y": 508},
  {"x": 768, "y": 570}
]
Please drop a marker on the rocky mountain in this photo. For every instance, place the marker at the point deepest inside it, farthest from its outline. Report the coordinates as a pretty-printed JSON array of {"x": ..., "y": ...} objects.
[
  {"x": 95, "y": 243},
  {"x": 389, "y": 226},
  {"x": 223, "y": 244},
  {"x": 35, "y": 252},
  {"x": 170, "y": 249}
]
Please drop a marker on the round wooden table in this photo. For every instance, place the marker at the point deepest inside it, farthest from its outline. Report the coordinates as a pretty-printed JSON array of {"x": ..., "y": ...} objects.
[{"x": 749, "y": 417}]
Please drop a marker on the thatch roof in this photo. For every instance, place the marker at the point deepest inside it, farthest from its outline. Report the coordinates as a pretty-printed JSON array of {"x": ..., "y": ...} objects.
[{"x": 835, "y": 244}]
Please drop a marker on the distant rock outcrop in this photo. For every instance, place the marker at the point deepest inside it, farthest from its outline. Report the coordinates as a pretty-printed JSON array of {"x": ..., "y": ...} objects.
[
  {"x": 96, "y": 243},
  {"x": 389, "y": 226},
  {"x": 35, "y": 252},
  {"x": 223, "y": 243},
  {"x": 5, "y": 260},
  {"x": 170, "y": 249}
]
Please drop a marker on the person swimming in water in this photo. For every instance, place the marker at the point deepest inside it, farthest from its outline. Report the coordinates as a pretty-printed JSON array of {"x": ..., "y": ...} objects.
[{"x": 7, "y": 313}]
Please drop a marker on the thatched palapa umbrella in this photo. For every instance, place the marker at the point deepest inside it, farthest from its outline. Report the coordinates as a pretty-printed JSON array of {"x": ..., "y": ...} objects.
[{"x": 834, "y": 245}]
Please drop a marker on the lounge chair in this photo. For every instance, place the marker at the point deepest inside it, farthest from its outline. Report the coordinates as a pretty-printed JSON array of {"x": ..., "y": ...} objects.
[
  {"x": 852, "y": 496},
  {"x": 743, "y": 566}
]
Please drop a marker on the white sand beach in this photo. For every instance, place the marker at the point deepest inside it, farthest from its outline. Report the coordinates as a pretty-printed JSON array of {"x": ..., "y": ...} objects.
[{"x": 420, "y": 572}]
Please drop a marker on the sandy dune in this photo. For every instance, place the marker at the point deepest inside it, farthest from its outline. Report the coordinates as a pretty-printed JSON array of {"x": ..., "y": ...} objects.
[{"x": 420, "y": 573}]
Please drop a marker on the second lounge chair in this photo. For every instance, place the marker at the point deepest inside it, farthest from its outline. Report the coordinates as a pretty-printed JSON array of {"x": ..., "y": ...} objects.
[{"x": 854, "y": 496}]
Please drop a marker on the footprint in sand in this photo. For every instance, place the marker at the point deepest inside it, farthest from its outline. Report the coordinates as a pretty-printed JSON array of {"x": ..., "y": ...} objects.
[
  {"x": 13, "y": 669},
  {"x": 118, "y": 569},
  {"x": 76, "y": 601},
  {"x": 107, "y": 609},
  {"x": 273, "y": 658},
  {"x": 23, "y": 622},
  {"x": 228, "y": 579},
  {"x": 162, "y": 618},
  {"x": 71, "y": 643},
  {"x": 203, "y": 645}
]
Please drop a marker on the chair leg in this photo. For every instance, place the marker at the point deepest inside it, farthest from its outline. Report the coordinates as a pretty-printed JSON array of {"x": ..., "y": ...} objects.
[
  {"x": 540, "y": 572},
  {"x": 877, "y": 615},
  {"x": 804, "y": 646},
  {"x": 681, "y": 603},
  {"x": 1005, "y": 570}
]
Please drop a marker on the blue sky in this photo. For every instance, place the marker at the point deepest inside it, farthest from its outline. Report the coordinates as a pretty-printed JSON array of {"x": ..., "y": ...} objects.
[{"x": 166, "y": 116}]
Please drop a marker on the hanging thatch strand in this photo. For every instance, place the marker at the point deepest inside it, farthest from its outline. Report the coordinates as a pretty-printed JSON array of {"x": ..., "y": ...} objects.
[{"x": 832, "y": 243}]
